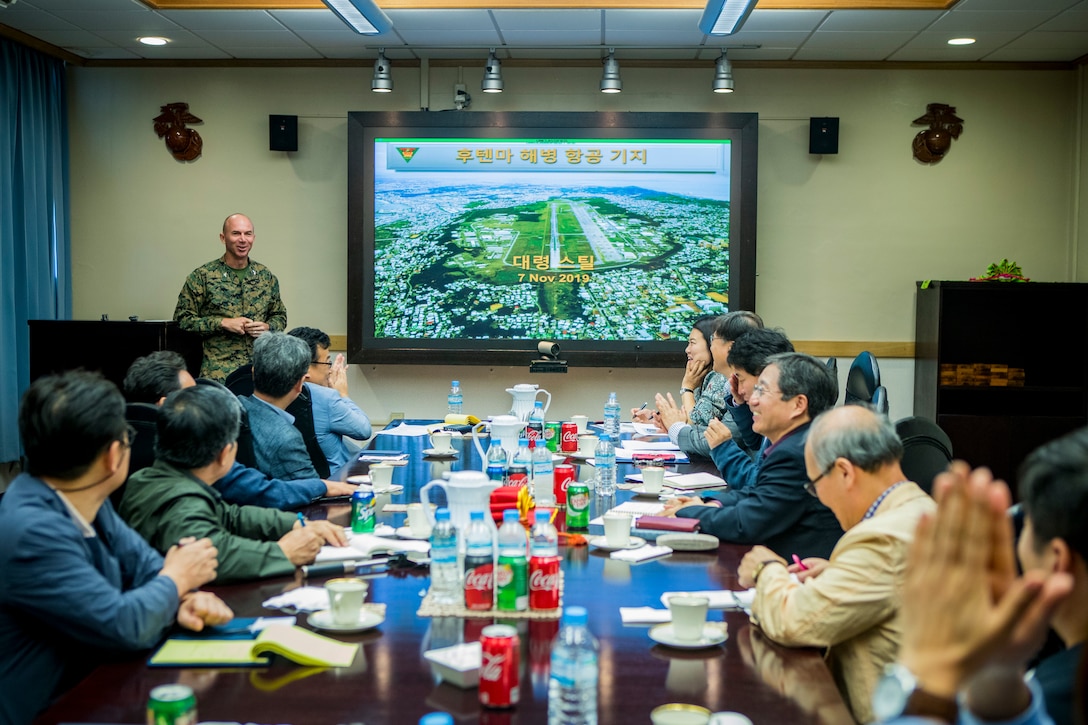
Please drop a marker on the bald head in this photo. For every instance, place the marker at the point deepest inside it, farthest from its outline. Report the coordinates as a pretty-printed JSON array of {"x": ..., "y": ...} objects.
[{"x": 857, "y": 433}]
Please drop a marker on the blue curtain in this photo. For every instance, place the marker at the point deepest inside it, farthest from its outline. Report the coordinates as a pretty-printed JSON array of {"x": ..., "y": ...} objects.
[{"x": 35, "y": 272}]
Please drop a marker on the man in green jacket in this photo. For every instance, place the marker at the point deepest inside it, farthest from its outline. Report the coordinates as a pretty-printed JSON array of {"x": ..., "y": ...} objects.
[{"x": 174, "y": 498}]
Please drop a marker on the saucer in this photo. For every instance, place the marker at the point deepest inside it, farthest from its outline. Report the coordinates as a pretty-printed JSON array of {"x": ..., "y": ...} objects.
[
  {"x": 406, "y": 533},
  {"x": 713, "y": 635},
  {"x": 368, "y": 619},
  {"x": 379, "y": 530},
  {"x": 601, "y": 542},
  {"x": 368, "y": 488},
  {"x": 434, "y": 453},
  {"x": 641, "y": 491}
]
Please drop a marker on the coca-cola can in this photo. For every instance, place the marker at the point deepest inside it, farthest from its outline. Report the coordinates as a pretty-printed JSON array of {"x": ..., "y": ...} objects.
[
  {"x": 564, "y": 474},
  {"x": 499, "y": 666},
  {"x": 479, "y": 582},
  {"x": 568, "y": 437},
  {"x": 544, "y": 582},
  {"x": 517, "y": 475}
]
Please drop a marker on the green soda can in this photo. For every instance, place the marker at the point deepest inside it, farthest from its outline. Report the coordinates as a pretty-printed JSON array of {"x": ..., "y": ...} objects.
[
  {"x": 362, "y": 512},
  {"x": 577, "y": 505},
  {"x": 171, "y": 705},
  {"x": 551, "y": 435}
]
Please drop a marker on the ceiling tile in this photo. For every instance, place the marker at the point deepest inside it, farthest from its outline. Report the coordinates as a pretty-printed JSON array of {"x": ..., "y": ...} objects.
[
  {"x": 879, "y": 20},
  {"x": 1075, "y": 20},
  {"x": 228, "y": 39},
  {"x": 857, "y": 55},
  {"x": 1044, "y": 6},
  {"x": 312, "y": 20},
  {"x": 73, "y": 39},
  {"x": 222, "y": 20},
  {"x": 761, "y": 20},
  {"x": 30, "y": 20},
  {"x": 67, "y": 6},
  {"x": 551, "y": 37},
  {"x": 648, "y": 37},
  {"x": 888, "y": 41},
  {"x": 962, "y": 22},
  {"x": 552, "y": 20},
  {"x": 273, "y": 51},
  {"x": 643, "y": 20}
]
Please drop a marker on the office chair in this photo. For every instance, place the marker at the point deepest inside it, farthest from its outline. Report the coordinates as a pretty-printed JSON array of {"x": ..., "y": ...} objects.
[
  {"x": 142, "y": 417},
  {"x": 927, "y": 450},
  {"x": 303, "y": 409},
  {"x": 880, "y": 400},
  {"x": 240, "y": 382},
  {"x": 862, "y": 379}
]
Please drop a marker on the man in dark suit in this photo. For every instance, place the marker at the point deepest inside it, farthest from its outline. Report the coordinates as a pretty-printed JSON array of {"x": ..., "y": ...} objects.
[
  {"x": 775, "y": 510},
  {"x": 280, "y": 366}
]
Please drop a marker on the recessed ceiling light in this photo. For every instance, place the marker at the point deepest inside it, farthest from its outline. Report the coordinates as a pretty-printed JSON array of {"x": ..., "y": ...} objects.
[
  {"x": 153, "y": 40},
  {"x": 961, "y": 41}
]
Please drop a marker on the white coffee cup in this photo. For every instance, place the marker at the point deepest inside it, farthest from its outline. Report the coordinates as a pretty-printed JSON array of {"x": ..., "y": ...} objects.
[
  {"x": 688, "y": 616},
  {"x": 441, "y": 441},
  {"x": 346, "y": 596},
  {"x": 617, "y": 529},
  {"x": 653, "y": 478},
  {"x": 587, "y": 445},
  {"x": 581, "y": 421},
  {"x": 381, "y": 476},
  {"x": 418, "y": 525}
]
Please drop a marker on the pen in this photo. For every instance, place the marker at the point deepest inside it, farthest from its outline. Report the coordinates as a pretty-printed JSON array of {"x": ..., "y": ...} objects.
[
  {"x": 644, "y": 405},
  {"x": 798, "y": 562},
  {"x": 301, "y": 519}
]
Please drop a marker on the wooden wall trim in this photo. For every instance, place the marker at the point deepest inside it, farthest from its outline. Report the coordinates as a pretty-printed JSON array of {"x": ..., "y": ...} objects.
[{"x": 818, "y": 348}]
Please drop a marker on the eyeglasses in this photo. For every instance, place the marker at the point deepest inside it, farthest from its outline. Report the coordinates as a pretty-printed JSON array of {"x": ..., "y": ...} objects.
[
  {"x": 130, "y": 436},
  {"x": 761, "y": 390},
  {"x": 318, "y": 362},
  {"x": 810, "y": 486}
]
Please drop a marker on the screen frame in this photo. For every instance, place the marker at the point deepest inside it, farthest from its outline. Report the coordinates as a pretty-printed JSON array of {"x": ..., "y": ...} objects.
[{"x": 741, "y": 129}]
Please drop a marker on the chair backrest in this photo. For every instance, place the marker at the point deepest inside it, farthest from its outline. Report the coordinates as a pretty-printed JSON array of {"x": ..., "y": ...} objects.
[
  {"x": 927, "y": 450},
  {"x": 240, "y": 382},
  {"x": 880, "y": 400},
  {"x": 141, "y": 416},
  {"x": 862, "y": 379},
  {"x": 303, "y": 410},
  {"x": 245, "y": 454}
]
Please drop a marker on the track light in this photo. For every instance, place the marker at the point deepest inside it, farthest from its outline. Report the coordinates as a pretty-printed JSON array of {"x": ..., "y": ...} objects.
[
  {"x": 382, "y": 82},
  {"x": 492, "y": 82},
  {"x": 723, "y": 75},
  {"x": 724, "y": 17},
  {"x": 363, "y": 16},
  {"x": 610, "y": 80}
]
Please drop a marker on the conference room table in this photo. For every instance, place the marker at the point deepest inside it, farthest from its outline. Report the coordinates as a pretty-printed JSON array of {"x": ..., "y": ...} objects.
[{"x": 391, "y": 682}]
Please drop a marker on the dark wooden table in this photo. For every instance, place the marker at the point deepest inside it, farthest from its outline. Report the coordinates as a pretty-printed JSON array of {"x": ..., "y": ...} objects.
[{"x": 390, "y": 682}]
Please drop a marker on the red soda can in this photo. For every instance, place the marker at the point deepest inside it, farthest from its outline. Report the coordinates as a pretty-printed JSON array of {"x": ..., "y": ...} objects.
[
  {"x": 517, "y": 475},
  {"x": 568, "y": 437},
  {"x": 544, "y": 582},
  {"x": 564, "y": 474},
  {"x": 499, "y": 666},
  {"x": 479, "y": 582}
]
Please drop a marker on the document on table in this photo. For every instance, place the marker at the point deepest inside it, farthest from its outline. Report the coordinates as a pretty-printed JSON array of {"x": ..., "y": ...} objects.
[
  {"x": 636, "y": 509},
  {"x": 693, "y": 480},
  {"x": 404, "y": 429},
  {"x": 641, "y": 446}
]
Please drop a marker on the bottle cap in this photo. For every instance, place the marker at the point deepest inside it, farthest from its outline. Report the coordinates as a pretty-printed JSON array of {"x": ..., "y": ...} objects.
[
  {"x": 543, "y": 517},
  {"x": 442, "y": 514},
  {"x": 575, "y": 615},
  {"x": 456, "y": 383},
  {"x": 510, "y": 515},
  {"x": 475, "y": 515}
]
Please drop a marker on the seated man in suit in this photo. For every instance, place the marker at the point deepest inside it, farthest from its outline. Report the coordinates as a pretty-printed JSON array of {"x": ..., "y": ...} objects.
[
  {"x": 335, "y": 414},
  {"x": 281, "y": 364},
  {"x": 79, "y": 586},
  {"x": 197, "y": 439},
  {"x": 851, "y": 603},
  {"x": 153, "y": 377},
  {"x": 774, "y": 510}
]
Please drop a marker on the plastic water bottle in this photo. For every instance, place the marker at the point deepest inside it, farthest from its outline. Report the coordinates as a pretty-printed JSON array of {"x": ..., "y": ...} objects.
[
  {"x": 572, "y": 687},
  {"x": 454, "y": 401},
  {"x": 523, "y": 462},
  {"x": 535, "y": 428},
  {"x": 445, "y": 578},
  {"x": 479, "y": 563},
  {"x": 512, "y": 573},
  {"x": 543, "y": 475},
  {"x": 604, "y": 460},
  {"x": 496, "y": 461},
  {"x": 612, "y": 417}
]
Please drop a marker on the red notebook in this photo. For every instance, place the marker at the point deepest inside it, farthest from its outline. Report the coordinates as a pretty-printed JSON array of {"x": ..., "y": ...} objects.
[{"x": 666, "y": 523}]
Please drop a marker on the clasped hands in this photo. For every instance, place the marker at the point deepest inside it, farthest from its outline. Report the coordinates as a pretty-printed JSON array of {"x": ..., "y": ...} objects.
[{"x": 244, "y": 326}]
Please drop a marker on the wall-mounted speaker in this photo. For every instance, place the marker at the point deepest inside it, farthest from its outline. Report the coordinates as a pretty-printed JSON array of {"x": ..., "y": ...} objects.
[
  {"x": 283, "y": 133},
  {"x": 823, "y": 135}
]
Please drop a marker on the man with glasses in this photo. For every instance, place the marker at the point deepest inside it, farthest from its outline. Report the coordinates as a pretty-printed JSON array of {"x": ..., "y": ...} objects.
[
  {"x": 851, "y": 602},
  {"x": 79, "y": 586},
  {"x": 774, "y": 509},
  {"x": 335, "y": 414}
]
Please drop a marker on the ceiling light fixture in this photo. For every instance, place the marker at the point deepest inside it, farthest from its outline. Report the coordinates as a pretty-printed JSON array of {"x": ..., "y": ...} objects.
[
  {"x": 723, "y": 74},
  {"x": 492, "y": 82},
  {"x": 363, "y": 16},
  {"x": 382, "y": 82},
  {"x": 153, "y": 40},
  {"x": 962, "y": 41},
  {"x": 610, "y": 79},
  {"x": 724, "y": 17}
]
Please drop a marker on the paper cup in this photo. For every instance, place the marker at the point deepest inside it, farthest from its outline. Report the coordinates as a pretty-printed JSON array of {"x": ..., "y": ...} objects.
[
  {"x": 688, "y": 616},
  {"x": 346, "y": 596},
  {"x": 587, "y": 445},
  {"x": 653, "y": 478},
  {"x": 617, "y": 529},
  {"x": 418, "y": 524},
  {"x": 581, "y": 421},
  {"x": 381, "y": 476},
  {"x": 441, "y": 441}
]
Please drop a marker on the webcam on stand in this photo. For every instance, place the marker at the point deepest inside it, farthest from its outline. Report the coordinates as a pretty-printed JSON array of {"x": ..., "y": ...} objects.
[{"x": 549, "y": 361}]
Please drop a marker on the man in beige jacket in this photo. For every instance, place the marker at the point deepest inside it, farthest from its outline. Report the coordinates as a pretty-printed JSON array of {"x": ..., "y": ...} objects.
[{"x": 849, "y": 604}]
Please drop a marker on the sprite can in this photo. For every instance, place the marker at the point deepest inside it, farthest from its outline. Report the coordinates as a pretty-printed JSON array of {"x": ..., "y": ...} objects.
[
  {"x": 577, "y": 505},
  {"x": 512, "y": 583},
  {"x": 171, "y": 705},
  {"x": 362, "y": 512},
  {"x": 552, "y": 435}
]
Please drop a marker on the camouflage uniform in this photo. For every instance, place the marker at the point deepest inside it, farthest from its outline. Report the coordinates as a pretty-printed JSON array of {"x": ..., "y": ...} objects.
[{"x": 212, "y": 293}]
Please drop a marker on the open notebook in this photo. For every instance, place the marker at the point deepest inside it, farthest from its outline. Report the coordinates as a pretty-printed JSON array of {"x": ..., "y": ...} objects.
[{"x": 295, "y": 643}]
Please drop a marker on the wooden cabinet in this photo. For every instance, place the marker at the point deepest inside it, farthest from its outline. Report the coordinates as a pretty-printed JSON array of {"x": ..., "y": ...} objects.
[{"x": 1040, "y": 328}]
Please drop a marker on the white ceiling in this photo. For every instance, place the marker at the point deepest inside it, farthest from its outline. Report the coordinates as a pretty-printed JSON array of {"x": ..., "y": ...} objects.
[{"x": 1006, "y": 31}]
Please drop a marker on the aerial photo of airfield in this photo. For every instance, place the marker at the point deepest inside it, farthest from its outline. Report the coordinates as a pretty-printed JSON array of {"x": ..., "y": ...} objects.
[{"x": 546, "y": 262}]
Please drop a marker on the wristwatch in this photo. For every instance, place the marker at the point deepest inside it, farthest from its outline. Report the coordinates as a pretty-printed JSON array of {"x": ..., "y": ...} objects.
[
  {"x": 762, "y": 564},
  {"x": 898, "y": 693},
  {"x": 686, "y": 390}
]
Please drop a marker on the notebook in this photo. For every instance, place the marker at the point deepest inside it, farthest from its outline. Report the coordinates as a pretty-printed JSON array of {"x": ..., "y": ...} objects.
[{"x": 299, "y": 645}]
